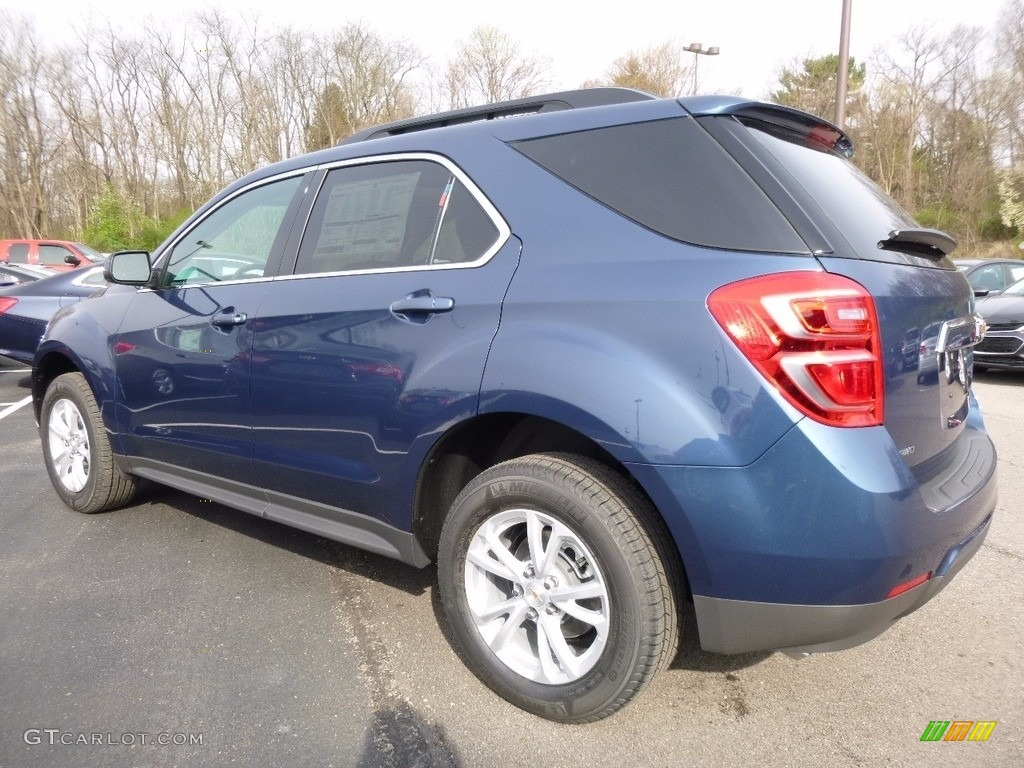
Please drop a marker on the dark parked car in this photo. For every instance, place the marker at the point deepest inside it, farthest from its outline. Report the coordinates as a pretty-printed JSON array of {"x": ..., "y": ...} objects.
[
  {"x": 60, "y": 255},
  {"x": 26, "y": 309},
  {"x": 595, "y": 358},
  {"x": 1003, "y": 345},
  {"x": 990, "y": 275},
  {"x": 19, "y": 274}
]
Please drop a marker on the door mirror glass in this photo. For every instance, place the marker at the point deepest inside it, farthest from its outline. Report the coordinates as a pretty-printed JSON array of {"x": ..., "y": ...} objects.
[{"x": 128, "y": 268}]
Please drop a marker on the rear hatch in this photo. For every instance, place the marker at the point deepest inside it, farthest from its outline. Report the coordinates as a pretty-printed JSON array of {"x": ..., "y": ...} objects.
[{"x": 925, "y": 307}]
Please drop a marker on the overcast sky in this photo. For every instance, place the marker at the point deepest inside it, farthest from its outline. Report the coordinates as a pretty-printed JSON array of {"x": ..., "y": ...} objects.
[{"x": 581, "y": 40}]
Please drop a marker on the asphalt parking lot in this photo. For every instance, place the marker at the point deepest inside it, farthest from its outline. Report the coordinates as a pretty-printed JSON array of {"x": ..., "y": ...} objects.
[{"x": 177, "y": 632}]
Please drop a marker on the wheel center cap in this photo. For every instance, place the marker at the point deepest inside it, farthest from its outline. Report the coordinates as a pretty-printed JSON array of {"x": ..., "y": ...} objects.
[{"x": 535, "y": 594}]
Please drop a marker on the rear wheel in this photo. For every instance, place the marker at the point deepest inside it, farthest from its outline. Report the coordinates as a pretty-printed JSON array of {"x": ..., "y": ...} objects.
[
  {"x": 76, "y": 449},
  {"x": 558, "y": 595}
]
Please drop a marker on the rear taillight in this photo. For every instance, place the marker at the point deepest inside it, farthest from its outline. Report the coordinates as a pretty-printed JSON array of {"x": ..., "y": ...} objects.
[
  {"x": 814, "y": 336},
  {"x": 6, "y": 302}
]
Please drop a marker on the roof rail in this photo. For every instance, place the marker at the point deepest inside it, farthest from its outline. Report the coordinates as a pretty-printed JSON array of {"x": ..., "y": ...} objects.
[{"x": 548, "y": 102}]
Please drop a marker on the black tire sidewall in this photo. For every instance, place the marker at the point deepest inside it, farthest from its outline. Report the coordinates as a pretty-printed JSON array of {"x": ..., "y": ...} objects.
[
  {"x": 63, "y": 388},
  {"x": 599, "y": 688}
]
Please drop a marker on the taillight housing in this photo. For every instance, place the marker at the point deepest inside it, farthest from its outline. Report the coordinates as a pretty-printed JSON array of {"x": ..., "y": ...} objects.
[
  {"x": 815, "y": 337},
  {"x": 6, "y": 302}
]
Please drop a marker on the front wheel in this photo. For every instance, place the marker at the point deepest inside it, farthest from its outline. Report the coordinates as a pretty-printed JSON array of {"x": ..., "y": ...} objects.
[
  {"x": 560, "y": 586},
  {"x": 76, "y": 449}
]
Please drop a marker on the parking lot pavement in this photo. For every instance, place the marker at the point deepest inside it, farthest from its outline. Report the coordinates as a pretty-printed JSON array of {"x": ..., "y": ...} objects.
[{"x": 181, "y": 619}]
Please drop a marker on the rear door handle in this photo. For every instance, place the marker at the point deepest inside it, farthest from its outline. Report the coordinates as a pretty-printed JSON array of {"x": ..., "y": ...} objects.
[{"x": 228, "y": 318}]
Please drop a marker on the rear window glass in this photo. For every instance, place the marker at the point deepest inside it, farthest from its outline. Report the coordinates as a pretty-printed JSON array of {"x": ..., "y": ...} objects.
[
  {"x": 857, "y": 206},
  {"x": 671, "y": 177}
]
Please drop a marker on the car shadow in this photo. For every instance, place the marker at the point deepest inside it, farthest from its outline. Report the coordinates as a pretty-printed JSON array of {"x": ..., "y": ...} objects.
[
  {"x": 999, "y": 376},
  {"x": 411, "y": 580}
]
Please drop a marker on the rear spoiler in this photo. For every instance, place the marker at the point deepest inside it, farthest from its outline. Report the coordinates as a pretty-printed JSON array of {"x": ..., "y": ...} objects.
[{"x": 814, "y": 129}]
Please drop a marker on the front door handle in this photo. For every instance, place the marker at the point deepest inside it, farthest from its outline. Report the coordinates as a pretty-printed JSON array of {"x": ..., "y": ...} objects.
[
  {"x": 422, "y": 305},
  {"x": 228, "y": 318}
]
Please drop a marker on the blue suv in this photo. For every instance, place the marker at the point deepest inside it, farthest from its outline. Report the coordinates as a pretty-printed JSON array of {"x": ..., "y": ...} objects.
[{"x": 593, "y": 353}]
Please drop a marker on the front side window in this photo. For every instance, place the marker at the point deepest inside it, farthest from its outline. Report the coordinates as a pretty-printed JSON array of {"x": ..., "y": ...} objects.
[
  {"x": 390, "y": 215},
  {"x": 53, "y": 254},
  {"x": 235, "y": 241},
  {"x": 988, "y": 278}
]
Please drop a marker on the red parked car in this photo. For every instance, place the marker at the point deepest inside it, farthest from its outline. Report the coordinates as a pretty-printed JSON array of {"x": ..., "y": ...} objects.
[{"x": 55, "y": 254}]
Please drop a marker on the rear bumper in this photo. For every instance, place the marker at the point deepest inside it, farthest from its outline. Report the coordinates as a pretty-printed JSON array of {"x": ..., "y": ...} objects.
[
  {"x": 799, "y": 550},
  {"x": 738, "y": 626}
]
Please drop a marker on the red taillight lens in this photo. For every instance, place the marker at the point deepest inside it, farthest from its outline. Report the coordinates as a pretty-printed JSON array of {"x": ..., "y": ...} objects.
[
  {"x": 814, "y": 336},
  {"x": 6, "y": 302}
]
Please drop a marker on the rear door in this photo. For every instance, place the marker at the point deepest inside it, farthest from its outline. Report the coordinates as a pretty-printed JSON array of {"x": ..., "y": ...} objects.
[{"x": 379, "y": 338}]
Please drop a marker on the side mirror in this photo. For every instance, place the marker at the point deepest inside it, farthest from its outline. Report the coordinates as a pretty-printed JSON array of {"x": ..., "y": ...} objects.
[
  {"x": 72, "y": 260},
  {"x": 981, "y": 292},
  {"x": 128, "y": 268}
]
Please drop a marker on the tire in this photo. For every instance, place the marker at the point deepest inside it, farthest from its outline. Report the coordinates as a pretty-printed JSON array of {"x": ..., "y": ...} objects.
[
  {"x": 76, "y": 449},
  {"x": 603, "y": 605}
]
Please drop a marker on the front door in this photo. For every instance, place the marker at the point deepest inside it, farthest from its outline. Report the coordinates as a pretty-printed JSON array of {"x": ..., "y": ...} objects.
[{"x": 183, "y": 352}]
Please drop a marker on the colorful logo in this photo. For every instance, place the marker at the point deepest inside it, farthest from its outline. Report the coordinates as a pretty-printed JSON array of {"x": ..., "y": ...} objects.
[{"x": 958, "y": 730}]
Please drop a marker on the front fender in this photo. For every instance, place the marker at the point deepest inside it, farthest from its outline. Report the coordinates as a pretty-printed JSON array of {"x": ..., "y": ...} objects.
[{"x": 79, "y": 338}]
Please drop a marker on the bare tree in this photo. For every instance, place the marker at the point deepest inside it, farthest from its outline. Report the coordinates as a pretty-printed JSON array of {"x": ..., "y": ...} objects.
[
  {"x": 488, "y": 67},
  {"x": 659, "y": 70},
  {"x": 364, "y": 81},
  {"x": 24, "y": 132}
]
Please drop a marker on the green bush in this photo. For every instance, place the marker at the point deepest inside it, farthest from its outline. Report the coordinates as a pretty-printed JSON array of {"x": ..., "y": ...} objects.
[{"x": 116, "y": 224}]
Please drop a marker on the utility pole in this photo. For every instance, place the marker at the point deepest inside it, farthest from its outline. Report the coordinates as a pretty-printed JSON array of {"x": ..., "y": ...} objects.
[{"x": 844, "y": 65}]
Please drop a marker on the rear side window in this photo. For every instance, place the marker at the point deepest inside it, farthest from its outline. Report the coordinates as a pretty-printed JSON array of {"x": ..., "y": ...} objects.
[
  {"x": 392, "y": 215},
  {"x": 18, "y": 253},
  {"x": 671, "y": 177}
]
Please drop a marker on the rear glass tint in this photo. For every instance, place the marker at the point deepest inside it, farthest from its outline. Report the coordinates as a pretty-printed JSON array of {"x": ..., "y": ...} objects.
[
  {"x": 857, "y": 206},
  {"x": 671, "y": 177}
]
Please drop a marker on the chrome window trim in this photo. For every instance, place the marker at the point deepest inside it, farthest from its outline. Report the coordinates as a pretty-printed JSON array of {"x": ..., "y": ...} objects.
[{"x": 504, "y": 231}]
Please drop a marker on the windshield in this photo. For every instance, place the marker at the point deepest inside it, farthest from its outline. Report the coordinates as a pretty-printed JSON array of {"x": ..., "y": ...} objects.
[
  {"x": 1017, "y": 289},
  {"x": 92, "y": 253}
]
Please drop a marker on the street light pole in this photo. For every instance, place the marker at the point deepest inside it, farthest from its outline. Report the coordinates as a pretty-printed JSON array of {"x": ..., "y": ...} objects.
[
  {"x": 844, "y": 65},
  {"x": 699, "y": 50}
]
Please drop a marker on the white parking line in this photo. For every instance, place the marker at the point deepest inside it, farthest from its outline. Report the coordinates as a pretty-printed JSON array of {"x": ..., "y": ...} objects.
[{"x": 12, "y": 408}]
